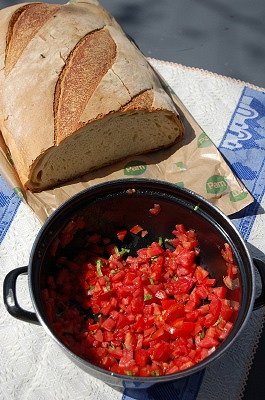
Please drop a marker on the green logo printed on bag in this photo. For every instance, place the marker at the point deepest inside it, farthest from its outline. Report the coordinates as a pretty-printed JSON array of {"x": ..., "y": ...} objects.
[
  {"x": 216, "y": 184},
  {"x": 204, "y": 141},
  {"x": 237, "y": 195},
  {"x": 135, "y": 167},
  {"x": 180, "y": 166},
  {"x": 180, "y": 184},
  {"x": 18, "y": 192}
]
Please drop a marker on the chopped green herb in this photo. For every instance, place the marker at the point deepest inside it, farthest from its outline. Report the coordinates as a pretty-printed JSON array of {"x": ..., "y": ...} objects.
[
  {"x": 107, "y": 284},
  {"x": 129, "y": 373},
  {"x": 202, "y": 334},
  {"x": 147, "y": 297},
  {"x": 99, "y": 264},
  {"x": 155, "y": 372},
  {"x": 121, "y": 252},
  {"x": 196, "y": 208},
  {"x": 160, "y": 241},
  {"x": 124, "y": 251},
  {"x": 218, "y": 321},
  {"x": 151, "y": 281},
  {"x": 116, "y": 250},
  {"x": 91, "y": 287},
  {"x": 113, "y": 271}
]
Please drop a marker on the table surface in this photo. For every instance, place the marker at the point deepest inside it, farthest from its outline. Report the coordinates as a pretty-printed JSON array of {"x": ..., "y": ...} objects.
[
  {"x": 217, "y": 35},
  {"x": 222, "y": 36}
]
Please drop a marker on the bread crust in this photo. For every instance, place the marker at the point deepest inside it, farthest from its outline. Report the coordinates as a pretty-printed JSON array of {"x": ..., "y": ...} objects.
[
  {"x": 23, "y": 25},
  {"x": 86, "y": 65},
  {"x": 73, "y": 66}
]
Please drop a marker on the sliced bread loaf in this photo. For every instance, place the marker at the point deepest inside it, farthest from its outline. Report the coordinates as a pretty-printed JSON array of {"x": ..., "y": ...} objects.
[{"x": 75, "y": 93}]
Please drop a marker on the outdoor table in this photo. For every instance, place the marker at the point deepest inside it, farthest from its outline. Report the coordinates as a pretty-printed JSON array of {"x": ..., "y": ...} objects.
[{"x": 223, "y": 37}]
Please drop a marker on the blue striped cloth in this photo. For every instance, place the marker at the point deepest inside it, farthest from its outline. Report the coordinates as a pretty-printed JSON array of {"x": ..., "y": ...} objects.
[
  {"x": 243, "y": 146},
  {"x": 9, "y": 203},
  {"x": 183, "y": 389}
]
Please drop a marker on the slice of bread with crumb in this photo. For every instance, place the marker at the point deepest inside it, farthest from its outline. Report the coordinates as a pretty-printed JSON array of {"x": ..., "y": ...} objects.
[{"x": 75, "y": 93}]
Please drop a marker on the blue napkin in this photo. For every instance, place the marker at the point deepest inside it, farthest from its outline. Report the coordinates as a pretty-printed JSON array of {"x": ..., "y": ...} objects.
[
  {"x": 182, "y": 389},
  {"x": 9, "y": 203},
  {"x": 243, "y": 146}
]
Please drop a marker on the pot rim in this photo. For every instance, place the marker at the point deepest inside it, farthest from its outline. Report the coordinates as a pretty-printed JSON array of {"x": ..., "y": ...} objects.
[{"x": 138, "y": 379}]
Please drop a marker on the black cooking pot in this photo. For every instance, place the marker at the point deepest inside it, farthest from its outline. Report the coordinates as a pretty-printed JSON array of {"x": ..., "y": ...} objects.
[{"x": 124, "y": 203}]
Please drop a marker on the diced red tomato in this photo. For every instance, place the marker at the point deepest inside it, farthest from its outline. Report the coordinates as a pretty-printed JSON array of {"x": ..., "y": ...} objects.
[
  {"x": 155, "y": 313},
  {"x": 136, "y": 229},
  {"x": 144, "y": 233},
  {"x": 174, "y": 311},
  {"x": 182, "y": 330},
  {"x": 220, "y": 292},
  {"x": 141, "y": 357},
  {"x": 121, "y": 234},
  {"x": 226, "y": 311},
  {"x": 155, "y": 209},
  {"x": 160, "y": 352},
  {"x": 98, "y": 335},
  {"x": 225, "y": 331},
  {"x": 200, "y": 273},
  {"x": 208, "y": 342},
  {"x": 109, "y": 324}
]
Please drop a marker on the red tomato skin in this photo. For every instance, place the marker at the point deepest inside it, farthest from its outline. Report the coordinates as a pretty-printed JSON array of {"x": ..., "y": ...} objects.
[
  {"x": 136, "y": 229},
  {"x": 109, "y": 324},
  {"x": 155, "y": 210},
  {"x": 208, "y": 343},
  {"x": 141, "y": 357},
  {"x": 121, "y": 234},
  {"x": 160, "y": 352}
]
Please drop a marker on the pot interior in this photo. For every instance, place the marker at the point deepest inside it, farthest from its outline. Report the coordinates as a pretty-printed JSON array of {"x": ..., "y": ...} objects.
[{"x": 123, "y": 204}]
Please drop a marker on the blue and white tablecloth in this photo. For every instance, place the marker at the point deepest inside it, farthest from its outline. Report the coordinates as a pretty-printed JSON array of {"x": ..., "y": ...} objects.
[{"x": 233, "y": 115}]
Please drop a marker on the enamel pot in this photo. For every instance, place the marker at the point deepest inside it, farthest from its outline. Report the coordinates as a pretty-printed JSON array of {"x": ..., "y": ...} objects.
[{"x": 126, "y": 203}]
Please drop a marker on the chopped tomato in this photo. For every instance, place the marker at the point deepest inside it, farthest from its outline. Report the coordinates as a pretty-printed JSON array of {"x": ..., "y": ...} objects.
[
  {"x": 121, "y": 234},
  {"x": 109, "y": 324},
  {"x": 144, "y": 233},
  {"x": 200, "y": 274},
  {"x": 136, "y": 229},
  {"x": 141, "y": 357},
  {"x": 155, "y": 209},
  {"x": 182, "y": 329},
  {"x": 220, "y": 292},
  {"x": 208, "y": 342},
  {"x": 155, "y": 313}
]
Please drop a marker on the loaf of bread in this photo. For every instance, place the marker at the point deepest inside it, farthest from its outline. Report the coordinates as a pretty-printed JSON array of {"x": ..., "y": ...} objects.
[{"x": 75, "y": 93}]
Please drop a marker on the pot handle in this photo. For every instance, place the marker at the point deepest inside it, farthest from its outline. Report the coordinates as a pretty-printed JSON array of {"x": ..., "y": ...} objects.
[
  {"x": 10, "y": 297},
  {"x": 260, "y": 300}
]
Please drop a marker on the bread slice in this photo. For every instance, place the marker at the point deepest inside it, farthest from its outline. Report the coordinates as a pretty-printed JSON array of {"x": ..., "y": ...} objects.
[{"x": 75, "y": 93}]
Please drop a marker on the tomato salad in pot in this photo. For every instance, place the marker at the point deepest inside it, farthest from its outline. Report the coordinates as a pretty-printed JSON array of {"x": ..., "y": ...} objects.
[{"x": 153, "y": 313}]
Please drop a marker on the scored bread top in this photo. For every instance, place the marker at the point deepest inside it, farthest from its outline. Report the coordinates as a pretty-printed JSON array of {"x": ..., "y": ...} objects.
[
  {"x": 23, "y": 25},
  {"x": 82, "y": 73},
  {"x": 62, "y": 67}
]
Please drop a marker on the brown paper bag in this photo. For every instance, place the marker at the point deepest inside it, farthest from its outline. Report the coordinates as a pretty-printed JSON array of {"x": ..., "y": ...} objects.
[{"x": 194, "y": 163}]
